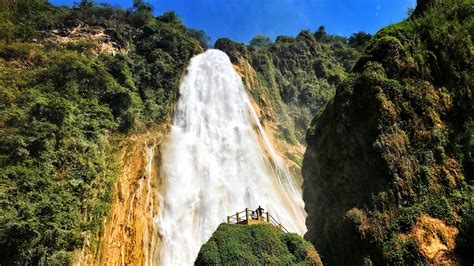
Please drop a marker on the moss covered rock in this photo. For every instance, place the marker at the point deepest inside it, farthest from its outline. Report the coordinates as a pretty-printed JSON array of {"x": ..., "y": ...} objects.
[
  {"x": 295, "y": 76},
  {"x": 259, "y": 244},
  {"x": 391, "y": 156},
  {"x": 65, "y": 110}
]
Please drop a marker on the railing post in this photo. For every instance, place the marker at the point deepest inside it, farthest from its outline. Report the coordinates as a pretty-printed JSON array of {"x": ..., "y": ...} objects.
[
  {"x": 238, "y": 218},
  {"x": 228, "y": 219},
  {"x": 247, "y": 214},
  {"x": 268, "y": 216}
]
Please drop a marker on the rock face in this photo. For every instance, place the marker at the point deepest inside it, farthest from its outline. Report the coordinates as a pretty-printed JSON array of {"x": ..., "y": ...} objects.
[
  {"x": 259, "y": 244},
  {"x": 76, "y": 84},
  {"x": 391, "y": 156},
  {"x": 94, "y": 40},
  {"x": 295, "y": 76},
  {"x": 290, "y": 81},
  {"x": 130, "y": 233}
]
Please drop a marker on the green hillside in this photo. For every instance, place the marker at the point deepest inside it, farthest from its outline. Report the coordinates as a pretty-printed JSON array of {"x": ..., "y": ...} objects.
[
  {"x": 297, "y": 76},
  {"x": 64, "y": 109},
  {"x": 389, "y": 167},
  {"x": 259, "y": 244},
  {"x": 388, "y": 121}
]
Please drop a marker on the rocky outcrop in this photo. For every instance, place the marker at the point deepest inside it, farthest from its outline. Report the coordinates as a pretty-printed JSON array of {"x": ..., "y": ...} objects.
[
  {"x": 294, "y": 77},
  {"x": 84, "y": 38},
  {"x": 288, "y": 81},
  {"x": 130, "y": 235},
  {"x": 389, "y": 163}
]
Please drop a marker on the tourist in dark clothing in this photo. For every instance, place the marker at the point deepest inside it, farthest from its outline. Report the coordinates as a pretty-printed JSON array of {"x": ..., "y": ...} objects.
[{"x": 260, "y": 211}]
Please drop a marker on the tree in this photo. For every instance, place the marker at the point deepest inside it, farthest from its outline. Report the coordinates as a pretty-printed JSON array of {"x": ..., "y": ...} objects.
[
  {"x": 260, "y": 41},
  {"x": 359, "y": 40},
  {"x": 201, "y": 36},
  {"x": 86, "y": 4},
  {"x": 320, "y": 34},
  {"x": 170, "y": 17},
  {"x": 141, "y": 6},
  {"x": 142, "y": 13}
]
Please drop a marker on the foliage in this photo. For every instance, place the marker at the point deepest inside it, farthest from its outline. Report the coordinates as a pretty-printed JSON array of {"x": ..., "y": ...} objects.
[
  {"x": 201, "y": 36},
  {"x": 255, "y": 245},
  {"x": 260, "y": 41},
  {"x": 397, "y": 250},
  {"x": 465, "y": 240},
  {"x": 63, "y": 112},
  {"x": 297, "y": 76},
  {"x": 395, "y": 142},
  {"x": 320, "y": 34},
  {"x": 359, "y": 40}
]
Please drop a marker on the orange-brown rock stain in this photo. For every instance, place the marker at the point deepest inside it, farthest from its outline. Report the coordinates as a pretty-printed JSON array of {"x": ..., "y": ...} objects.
[
  {"x": 436, "y": 240},
  {"x": 130, "y": 235}
]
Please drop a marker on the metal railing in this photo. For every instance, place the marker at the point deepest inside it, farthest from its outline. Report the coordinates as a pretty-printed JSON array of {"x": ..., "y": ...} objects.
[{"x": 248, "y": 216}]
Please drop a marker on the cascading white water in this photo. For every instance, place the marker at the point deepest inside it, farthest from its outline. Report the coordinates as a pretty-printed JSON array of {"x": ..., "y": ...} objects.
[{"x": 218, "y": 161}]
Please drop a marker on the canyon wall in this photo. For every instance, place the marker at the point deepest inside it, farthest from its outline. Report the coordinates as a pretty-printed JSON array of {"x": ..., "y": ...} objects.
[{"x": 389, "y": 168}]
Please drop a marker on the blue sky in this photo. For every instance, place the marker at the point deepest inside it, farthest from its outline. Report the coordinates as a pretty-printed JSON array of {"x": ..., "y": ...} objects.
[{"x": 240, "y": 20}]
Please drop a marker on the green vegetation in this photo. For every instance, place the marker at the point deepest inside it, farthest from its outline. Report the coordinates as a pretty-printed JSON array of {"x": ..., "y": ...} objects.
[
  {"x": 465, "y": 240},
  {"x": 260, "y": 41},
  {"x": 256, "y": 245},
  {"x": 296, "y": 76},
  {"x": 396, "y": 143},
  {"x": 201, "y": 37},
  {"x": 393, "y": 143},
  {"x": 64, "y": 109}
]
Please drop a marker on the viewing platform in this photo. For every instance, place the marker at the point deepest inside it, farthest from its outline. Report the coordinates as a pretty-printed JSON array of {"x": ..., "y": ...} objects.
[{"x": 255, "y": 217}]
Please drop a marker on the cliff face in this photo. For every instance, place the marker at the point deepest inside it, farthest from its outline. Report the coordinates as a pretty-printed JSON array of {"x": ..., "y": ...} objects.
[
  {"x": 130, "y": 236},
  {"x": 389, "y": 162},
  {"x": 256, "y": 245},
  {"x": 290, "y": 80},
  {"x": 75, "y": 85},
  {"x": 295, "y": 76}
]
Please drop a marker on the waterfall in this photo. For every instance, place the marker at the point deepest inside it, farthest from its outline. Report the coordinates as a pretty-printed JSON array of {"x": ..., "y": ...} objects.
[{"x": 217, "y": 161}]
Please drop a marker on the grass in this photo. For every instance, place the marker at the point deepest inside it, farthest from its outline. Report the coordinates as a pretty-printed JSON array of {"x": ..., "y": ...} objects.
[{"x": 259, "y": 244}]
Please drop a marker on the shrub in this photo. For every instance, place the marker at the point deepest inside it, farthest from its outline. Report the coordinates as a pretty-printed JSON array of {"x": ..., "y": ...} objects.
[
  {"x": 61, "y": 108},
  {"x": 255, "y": 244}
]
